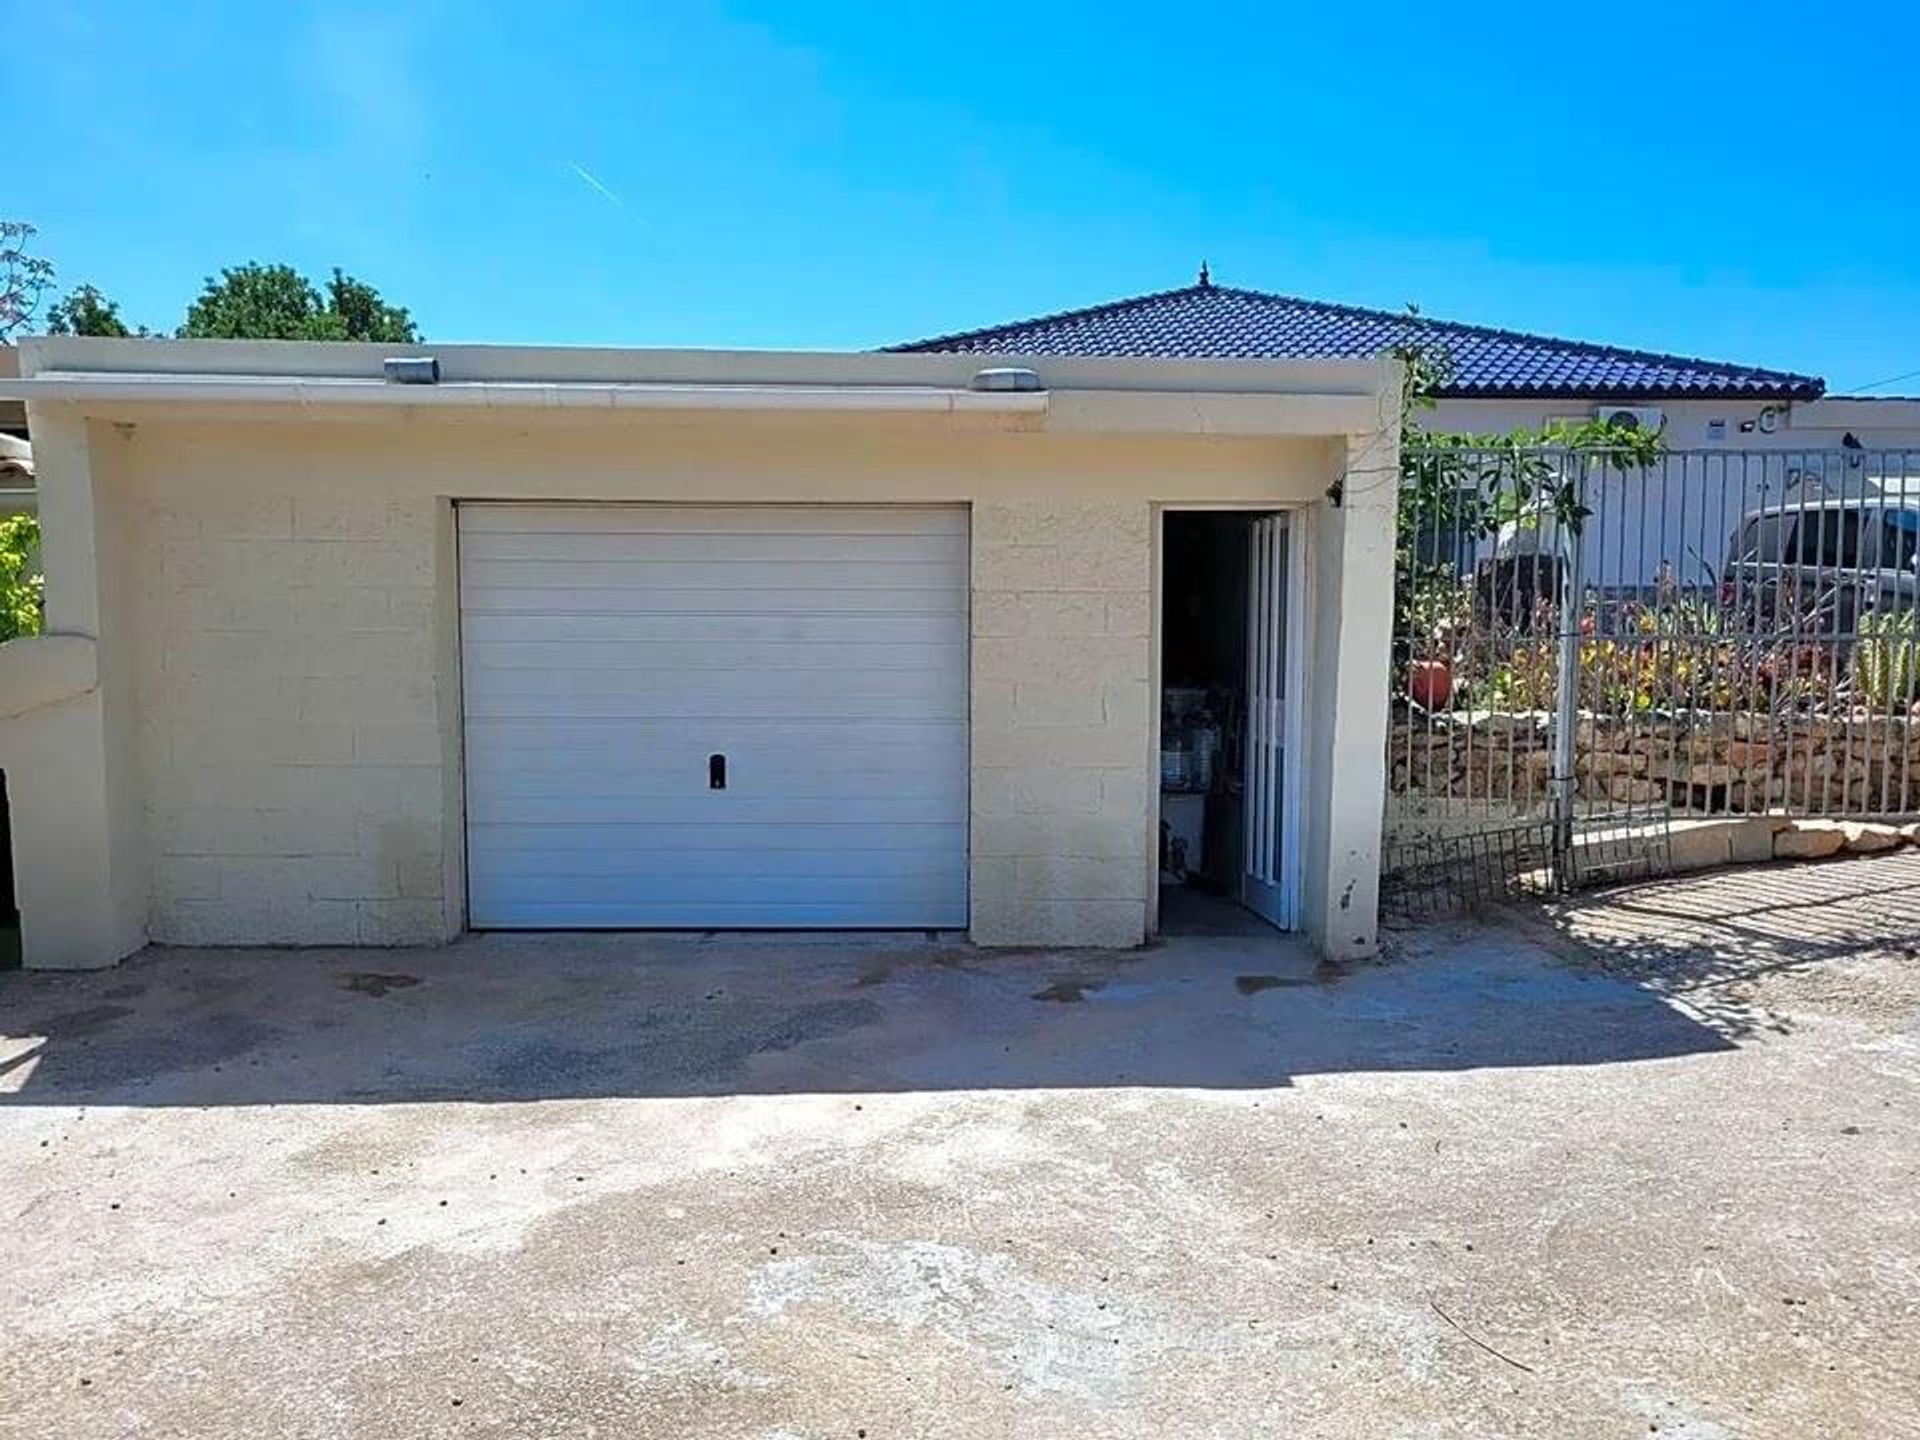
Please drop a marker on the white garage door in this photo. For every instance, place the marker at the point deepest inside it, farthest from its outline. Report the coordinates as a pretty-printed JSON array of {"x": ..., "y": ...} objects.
[{"x": 715, "y": 717}]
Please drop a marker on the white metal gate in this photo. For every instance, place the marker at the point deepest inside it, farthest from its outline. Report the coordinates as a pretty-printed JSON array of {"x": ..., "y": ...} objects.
[{"x": 1593, "y": 640}]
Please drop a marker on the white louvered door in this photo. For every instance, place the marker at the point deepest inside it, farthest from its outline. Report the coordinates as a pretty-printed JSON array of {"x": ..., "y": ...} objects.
[{"x": 1269, "y": 882}]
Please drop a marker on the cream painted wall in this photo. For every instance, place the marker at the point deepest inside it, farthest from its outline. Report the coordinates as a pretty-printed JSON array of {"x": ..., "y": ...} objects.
[
  {"x": 75, "y": 912},
  {"x": 1062, "y": 720},
  {"x": 1350, "y": 621},
  {"x": 296, "y": 673},
  {"x": 66, "y": 734}
]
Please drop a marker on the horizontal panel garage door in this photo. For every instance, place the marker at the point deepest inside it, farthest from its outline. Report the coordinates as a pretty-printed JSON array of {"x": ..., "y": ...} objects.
[{"x": 715, "y": 717}]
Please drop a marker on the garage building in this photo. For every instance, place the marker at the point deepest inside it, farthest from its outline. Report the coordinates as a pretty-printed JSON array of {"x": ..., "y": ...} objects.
[{"x": 342, "y": 650}]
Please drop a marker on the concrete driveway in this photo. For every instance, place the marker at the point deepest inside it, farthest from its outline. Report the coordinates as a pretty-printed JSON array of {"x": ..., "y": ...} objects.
[{"x": 1611, "y": 1176}]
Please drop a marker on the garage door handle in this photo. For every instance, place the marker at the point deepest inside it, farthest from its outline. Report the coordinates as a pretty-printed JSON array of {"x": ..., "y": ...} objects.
[{"x": 716, "y": 772}]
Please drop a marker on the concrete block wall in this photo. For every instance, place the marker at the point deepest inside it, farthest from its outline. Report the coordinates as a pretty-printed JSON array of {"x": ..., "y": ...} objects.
[
  {"x": 1062, "y": 721},
  {"x": 291, "y": 733},
  {"x": 285, "y": 628},
  {"x": 295, "y": 726}
]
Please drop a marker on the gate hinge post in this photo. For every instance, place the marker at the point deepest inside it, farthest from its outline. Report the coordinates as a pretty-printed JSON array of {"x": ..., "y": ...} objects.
[{"x": 1566, "y": 695}]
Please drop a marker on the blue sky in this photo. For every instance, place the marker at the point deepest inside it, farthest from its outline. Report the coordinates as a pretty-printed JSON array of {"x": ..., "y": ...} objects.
[{"x": 1737, "y": 181}]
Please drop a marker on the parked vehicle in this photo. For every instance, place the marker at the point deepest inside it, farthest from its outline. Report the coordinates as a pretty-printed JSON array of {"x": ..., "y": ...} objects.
[{"x": 1815, "y": 566}]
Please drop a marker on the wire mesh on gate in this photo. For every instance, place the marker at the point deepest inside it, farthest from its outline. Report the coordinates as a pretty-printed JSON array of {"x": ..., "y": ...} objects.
[
  {"x": 1601, "y": 642},
  {"x": 1441, "y": 874}
]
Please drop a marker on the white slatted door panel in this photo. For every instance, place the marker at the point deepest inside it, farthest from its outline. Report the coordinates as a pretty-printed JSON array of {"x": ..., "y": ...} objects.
[
  {"x": 610, "y": 650},
  {"x": 1269, "y": 860}
]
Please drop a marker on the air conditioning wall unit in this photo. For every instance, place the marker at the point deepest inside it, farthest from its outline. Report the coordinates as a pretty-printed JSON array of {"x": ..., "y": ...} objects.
[{"x": 1650, "y": 418}]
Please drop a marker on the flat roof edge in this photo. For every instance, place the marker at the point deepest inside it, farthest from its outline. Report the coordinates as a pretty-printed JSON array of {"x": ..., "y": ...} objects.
[{"x": 301, "y": 361}]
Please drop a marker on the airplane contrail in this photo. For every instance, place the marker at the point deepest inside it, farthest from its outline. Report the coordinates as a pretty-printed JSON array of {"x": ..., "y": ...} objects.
[{"x": 594, "y": 180}]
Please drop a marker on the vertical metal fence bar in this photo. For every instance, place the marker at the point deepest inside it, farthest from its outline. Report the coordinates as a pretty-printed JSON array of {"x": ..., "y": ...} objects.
[
  {"x": 1834, "y": 623},
  {"x": 1750, "y": 617},
  {"x": 1675, "y": 675},
  {"x": 1607, "y": 709},
  {"x": 1858, "y": 745},
  {"x": 1879, "y": 685},
  {"x": 1791, "y": 539},
  {"x": 1599, "y": 778},
  {"x": 1833, "y": 558},
  {"x": 1471, "y": 729},
  {"x": 1905, "y": 643},
  {"x": 1566, "y": 704},
  {"x": 1419, "y": 727},
  {"x": 1512, "y": 726},
  {"x": 1743, "y": 648}
]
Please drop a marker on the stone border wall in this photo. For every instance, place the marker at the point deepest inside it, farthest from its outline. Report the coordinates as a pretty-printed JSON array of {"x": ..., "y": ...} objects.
[{"x": 1475, "y": 763}]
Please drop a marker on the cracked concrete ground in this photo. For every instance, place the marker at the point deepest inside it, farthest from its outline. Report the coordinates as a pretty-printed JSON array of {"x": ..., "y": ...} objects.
[{"x": 1644, "y": 1166}]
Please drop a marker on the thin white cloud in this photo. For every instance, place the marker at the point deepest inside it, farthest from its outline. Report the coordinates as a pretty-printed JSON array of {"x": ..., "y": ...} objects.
[
  {"x": 360, "y": 68},
  {"x": 594, "y": 180}
]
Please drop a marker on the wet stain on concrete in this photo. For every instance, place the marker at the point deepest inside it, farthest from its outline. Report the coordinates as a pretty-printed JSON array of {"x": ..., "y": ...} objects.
[
  {"x": 370, "y": 982},
  {"x": 108, "y": 1052},
  {"x": 1254, "y": 984},
  {"x": 669, "y": 1050},
  {"x": 816, "y": 1022},
  {"x": 80, "y": 1024},
  {"x": 879, "y": 969},
  {"x": 1067, "y": 992},
  {"x": 542, "y": 1065}
]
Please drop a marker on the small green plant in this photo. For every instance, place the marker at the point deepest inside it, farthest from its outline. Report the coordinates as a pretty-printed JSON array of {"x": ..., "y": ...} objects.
[
  {"x": 1439, "y": 613},
  {"x": 1886, "y": 659},
  {"x": 21, "y": 583}
]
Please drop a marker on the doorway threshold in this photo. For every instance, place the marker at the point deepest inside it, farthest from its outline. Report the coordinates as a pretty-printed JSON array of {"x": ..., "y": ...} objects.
[{"x": 1186, "y": 910}]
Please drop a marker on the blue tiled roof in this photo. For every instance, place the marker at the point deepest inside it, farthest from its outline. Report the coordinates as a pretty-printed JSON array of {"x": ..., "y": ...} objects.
[{"x": 1222, "y": 322}]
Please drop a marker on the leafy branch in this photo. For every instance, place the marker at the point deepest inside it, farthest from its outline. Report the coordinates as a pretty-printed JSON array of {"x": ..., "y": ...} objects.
[
  {"x": 1475, "y": 485},
  {"x": 24, "y": 278},
  {"x": 21, "y": 585}
]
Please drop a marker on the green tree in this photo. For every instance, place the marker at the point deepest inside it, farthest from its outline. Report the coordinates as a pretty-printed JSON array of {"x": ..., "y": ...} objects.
[
  {"x": 85, "y": 311},
  {"x": 20, "y": 581},
  {"x": 24, "y": 278},
  {"x": 276, "y": 302},
  {"x": 364, "y": 315}
]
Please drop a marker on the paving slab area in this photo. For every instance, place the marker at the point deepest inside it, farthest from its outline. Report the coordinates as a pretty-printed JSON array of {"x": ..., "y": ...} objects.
[{"x": 1646, "y": 1164}]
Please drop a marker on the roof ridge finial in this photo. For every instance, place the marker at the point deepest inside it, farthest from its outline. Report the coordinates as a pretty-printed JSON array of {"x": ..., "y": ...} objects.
[{"x": 1206, "y": 276}]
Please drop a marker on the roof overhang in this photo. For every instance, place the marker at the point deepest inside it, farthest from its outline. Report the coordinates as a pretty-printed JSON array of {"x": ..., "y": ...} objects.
[
  {"x": 1633, "y": 395},
  {"x": 136, "y": 379},
  {"x": 104, "y": 391}
]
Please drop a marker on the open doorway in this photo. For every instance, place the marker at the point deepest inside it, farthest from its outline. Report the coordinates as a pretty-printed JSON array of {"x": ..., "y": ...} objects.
[
  {"x": 10, "y": 951},
  {"x": 1228, "y": 842}
]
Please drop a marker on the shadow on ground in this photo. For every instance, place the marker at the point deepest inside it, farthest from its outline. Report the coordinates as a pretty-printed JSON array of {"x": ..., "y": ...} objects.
[
  {"x": 1715, "y": 942},
  {"x": 498, "y": 1018}
]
